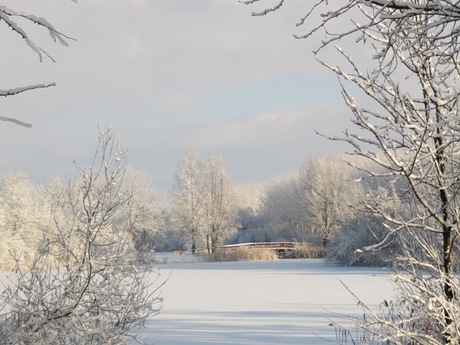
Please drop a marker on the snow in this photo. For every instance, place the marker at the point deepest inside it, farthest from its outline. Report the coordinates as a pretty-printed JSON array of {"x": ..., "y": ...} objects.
[{"x": 269, "y": 302}]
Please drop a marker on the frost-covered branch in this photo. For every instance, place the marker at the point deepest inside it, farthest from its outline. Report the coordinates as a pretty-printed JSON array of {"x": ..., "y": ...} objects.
[
  {"x": 15, "y": 91},
  {"x": 8, "y": 16},
  {"x": 443, "y": 16},
  {"x": 265, "y": 11},
  {"x": 18, "y": 90}
]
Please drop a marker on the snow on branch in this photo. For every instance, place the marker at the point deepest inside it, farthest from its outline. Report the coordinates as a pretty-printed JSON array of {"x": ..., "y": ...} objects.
[
  {"x": 443, "y": 15},
  {"x": 15, "y": 91},
  {"x": 430, "y": 6},
  {"x": 266, "y": 11},
  {"x": 6, "y": 15}
]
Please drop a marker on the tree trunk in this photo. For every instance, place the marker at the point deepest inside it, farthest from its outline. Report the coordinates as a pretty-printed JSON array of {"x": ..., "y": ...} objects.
[
  {"x": 448, "y": 291},
  {"x": 209, "y": 244},
  {"x": 193, "y": 242}
]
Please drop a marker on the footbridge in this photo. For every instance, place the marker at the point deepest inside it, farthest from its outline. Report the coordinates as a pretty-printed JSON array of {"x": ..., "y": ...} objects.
[{"x": 281, "y": 248}]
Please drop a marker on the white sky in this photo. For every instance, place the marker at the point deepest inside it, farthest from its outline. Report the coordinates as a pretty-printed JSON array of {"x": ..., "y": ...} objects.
[{"x": 169, "y": 75}]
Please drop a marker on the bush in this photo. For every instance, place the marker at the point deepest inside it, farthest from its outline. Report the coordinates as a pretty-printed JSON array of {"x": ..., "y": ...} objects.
[
  {"x": 348, "y": 247},
  {"x": 83, "y": 285}
]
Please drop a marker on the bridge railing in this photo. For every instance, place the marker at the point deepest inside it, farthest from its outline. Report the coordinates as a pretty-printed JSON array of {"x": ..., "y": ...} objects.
[{"x": 279, "y": 246}]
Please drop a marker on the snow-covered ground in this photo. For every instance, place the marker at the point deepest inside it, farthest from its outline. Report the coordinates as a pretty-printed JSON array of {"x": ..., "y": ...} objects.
[{"x": 270, "y": 302}]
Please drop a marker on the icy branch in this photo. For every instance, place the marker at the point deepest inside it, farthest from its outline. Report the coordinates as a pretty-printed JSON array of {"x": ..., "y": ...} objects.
[
  {"x": 15, "y": 91},
  {"x": 6, "y": 14},
  {"x": 429, "y": 6},
  {"x": 264, "y": 12}
]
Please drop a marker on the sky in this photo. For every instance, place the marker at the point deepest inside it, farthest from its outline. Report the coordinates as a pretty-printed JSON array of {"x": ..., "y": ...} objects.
[{"x": 169, "y": 76}]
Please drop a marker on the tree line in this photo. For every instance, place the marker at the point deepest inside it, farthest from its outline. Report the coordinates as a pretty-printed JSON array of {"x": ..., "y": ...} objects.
[{"x": 325, "y": 202}]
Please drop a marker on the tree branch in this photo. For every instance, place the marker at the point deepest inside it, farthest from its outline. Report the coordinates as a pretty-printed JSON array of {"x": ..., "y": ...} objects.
[
  {"x": 15, "y": 91},
  {"x": 264, "y": 12},
  {"x": 18, "y": 122}
]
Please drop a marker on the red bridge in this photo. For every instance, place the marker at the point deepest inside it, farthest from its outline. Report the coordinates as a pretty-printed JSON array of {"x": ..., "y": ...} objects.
[{"x": 280, "y": 247}]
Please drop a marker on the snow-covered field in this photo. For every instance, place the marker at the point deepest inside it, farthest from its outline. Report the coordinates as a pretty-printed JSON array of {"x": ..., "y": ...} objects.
[{"x": 270, "y": 302}]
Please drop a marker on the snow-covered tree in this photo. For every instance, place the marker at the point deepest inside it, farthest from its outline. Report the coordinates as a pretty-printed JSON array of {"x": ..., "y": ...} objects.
[
  {"x": 25, "y": 214},
  {"x": 188, "y": 198},
  {"x": 248, "y": 204},
  {"x": 249, "y": 196},
  {"x": 202, "y": 205},
  {"x": 363, "y": 228},
  {"x": 282, "y": 210},
  {"x": 84, "y": 285},
  {"x": 218, "y": 205},
  {"x": 142, "y": 213},
  {"x": 14, "y": 20},
  {"x": 325, "y": 191}
]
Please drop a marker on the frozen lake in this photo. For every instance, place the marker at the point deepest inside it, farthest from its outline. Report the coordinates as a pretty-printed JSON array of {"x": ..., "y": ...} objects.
[{"x": 269, "y": 302}]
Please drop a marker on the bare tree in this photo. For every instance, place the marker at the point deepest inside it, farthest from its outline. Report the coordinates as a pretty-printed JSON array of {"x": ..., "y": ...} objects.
[
  {"x": 410, "y": 128},
  {"x": 84, "y": 285},
  {"x": 10, "y": 18}
]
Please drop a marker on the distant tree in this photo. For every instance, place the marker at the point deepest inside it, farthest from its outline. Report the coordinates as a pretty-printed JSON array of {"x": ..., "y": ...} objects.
[
  {"x": 325, "y": 191},
  {"x": 142, "y": 213},
  {"x": 248, "y": 204},
  {"x": 188, "y": 198},
  {"x": 218, "y": 205},
  {"x": 84, "y": 285},
  {"x": 249, "y": 196},
  {"x": 9, "y": 17},
  {"x": 170, "y": 239},
  {"x": 25, "y": 214},
  {"x": 282, "y": 210}
]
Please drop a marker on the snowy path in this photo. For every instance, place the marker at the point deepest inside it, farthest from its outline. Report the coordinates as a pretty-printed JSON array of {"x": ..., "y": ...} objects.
[{"x": 275, "y": 302}]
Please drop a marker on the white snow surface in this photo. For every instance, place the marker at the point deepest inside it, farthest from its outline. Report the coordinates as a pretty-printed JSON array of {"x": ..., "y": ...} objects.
[{"x": 267, "y": 302}]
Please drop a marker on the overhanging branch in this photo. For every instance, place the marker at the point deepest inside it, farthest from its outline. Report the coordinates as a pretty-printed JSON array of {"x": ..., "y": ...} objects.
[{"x": 15, "y": 91}]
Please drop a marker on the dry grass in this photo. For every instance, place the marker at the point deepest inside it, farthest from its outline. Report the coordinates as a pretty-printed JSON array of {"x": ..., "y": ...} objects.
[
  {"x": 244, "y": 254},
  {"x": 307, "y": 251}
]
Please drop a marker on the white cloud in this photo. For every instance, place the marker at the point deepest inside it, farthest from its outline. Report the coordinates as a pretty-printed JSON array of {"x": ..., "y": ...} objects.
[
  {"x": 178, "y": 101},
  {"x": 269, "y": 129}
]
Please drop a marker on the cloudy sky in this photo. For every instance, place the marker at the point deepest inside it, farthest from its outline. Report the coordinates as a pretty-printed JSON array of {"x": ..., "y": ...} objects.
[{"x": 169, "y": 75}]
